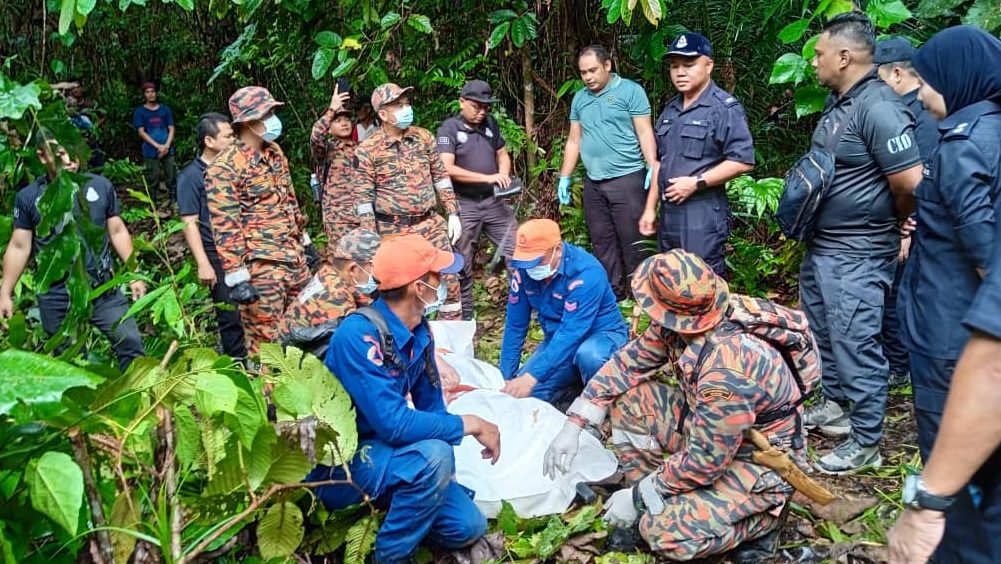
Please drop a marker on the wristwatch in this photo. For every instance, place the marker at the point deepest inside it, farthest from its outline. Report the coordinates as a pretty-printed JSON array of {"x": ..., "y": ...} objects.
[
  {"x": 916, "y": 496},
  {"x": 700, "y": 182}
]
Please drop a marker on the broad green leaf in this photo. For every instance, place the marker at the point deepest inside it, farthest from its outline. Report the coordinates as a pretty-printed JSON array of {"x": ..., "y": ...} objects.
[
  {"x": 338, "y": 414},
  {"x": 56, "y": 204},
  {"x": 810, "y": 100},
  {"x": 389, "y": 20},
  {"x": 293, "y": 396},
  {"x": 322, "y": 60},
  {"x": 280, "y": 531},
  {"x": 810, "y": 47},
  {"x": 498, "y": 34},
  {"x": 631, "y": 4},
  {"x": 985, "y": 14},
  {"x": 189, "y": 437},
  {"x": 248, "y": 417},
  {"x": 361, "y": 539},
  {"x": 507, "y": 519},
  {"x": 34, "y": 378},
  {"x": 16, "y": 98},
  {"x": 17, "y": 330},
  {"x": 421, "y": 23},
  {"x": 499, "y": 16},
  {"x": 56, "y": 259},
  {"x": 885, "y": 13},
  {"x": 124, "y": 515},
  {"x": 790, "y": 67},
  {"x": 66, "y": 13},
  {"x": 150, "y": 297},
  {"x": 85, "y": 7},
  {"x": 258, "y": 458},
  {"x": 55, "y": 485},
  {"x": 345, "y": 66},
  {"x": 838, "y": 7},
  {"x": 794, "y": 31},
  {"x": 625, "y": 13},
  {"x": 214, "y": 393},
  {"x": 937, "y": 8},
  {"x": 168, "y": 309},
  {"x": 652, "y": 10},
  {"x": 614, "y": 11},
  {"x": 328, "y": 39},
  {"x": 519, "y": 33},
  {"x": 187, "y": 5},
  {"x": 288, "y": 465},
  {"x": 57, "y": 67}
]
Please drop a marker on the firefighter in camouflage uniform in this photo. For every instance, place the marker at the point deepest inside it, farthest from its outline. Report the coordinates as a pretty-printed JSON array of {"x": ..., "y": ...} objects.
[
  {"x": 693, "y": 488},
  {"x": 401, "y": 180},
  {"x": 258, "y": 226},
  {"x": 342, "y": 284},
  {"x": 334, "y": 150}
]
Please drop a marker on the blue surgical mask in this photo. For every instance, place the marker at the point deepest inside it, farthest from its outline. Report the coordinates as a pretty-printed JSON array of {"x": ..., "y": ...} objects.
[
  {"x": 369, "y": 286},
  {"x": 404, "y": 117},
  {"x": 540, "y": 272},
  {"x": 441, "y": 292},
  {"x": 272, "y": 128}
]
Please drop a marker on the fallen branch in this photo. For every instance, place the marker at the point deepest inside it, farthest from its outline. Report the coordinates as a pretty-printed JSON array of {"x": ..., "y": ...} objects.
[{"x": 104, "y": 552}]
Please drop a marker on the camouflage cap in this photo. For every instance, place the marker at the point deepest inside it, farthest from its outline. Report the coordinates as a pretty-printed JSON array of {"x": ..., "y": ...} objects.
[
  {"x": 358, "y": 245},
  {"x": 387, "y": 93},
  {"x": 679, "y": 291},
  {"x": 250, "y": 103}
]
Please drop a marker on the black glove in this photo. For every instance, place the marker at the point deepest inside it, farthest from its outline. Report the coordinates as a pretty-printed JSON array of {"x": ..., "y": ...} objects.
[
  {"x": 244, "y": 293},
  {"x": 312, "y": 257}
]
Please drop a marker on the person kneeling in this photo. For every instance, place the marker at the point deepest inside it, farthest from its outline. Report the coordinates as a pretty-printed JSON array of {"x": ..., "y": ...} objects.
[
  {"x": 576, "y": 308},
  {"x": 405, "y": 462},
  {"x": 694, "y": 489}
]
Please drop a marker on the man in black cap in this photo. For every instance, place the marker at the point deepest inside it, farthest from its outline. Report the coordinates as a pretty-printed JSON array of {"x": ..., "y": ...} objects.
[
  {"x": 475, "y": 154},
  {"x": 702, "y": 142},
  {"x": 893, "y": 60}
]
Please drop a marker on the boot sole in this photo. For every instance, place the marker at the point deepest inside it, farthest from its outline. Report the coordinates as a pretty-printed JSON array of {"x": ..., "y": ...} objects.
[
  {"x": 876, "y": 463},
  {"x": 835, "y": 431}
]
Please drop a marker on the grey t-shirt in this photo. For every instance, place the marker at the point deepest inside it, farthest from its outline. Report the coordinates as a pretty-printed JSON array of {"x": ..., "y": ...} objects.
[{"x": 858, "y": 216}]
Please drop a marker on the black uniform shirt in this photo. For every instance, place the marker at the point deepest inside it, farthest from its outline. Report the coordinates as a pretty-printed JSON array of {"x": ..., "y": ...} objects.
[
  {"x": 475, "y": 149},
  {"x": 191, "y": 201}
]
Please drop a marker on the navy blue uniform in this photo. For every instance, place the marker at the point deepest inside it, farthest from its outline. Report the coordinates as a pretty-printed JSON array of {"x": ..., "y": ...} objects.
[
  {"x": 191, "y": 200},
  {"x": 580, "y": 319},
  {"x": 691, "y": 141},
  {"x": 958, "y": 205},
  {"x": 405, "y": 460},
  {"x": 109, "y": 308}
]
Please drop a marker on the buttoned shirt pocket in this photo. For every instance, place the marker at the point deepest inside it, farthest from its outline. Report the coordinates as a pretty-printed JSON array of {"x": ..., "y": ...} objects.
[
  {"x": 693, "y": 139},
  {"x": 258, "y": 188}
]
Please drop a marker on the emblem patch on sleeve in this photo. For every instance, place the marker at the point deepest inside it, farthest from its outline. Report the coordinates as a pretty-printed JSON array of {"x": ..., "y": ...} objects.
[
  {"x": 374, "y": 353},
  {"x": 711, "y": 394}
]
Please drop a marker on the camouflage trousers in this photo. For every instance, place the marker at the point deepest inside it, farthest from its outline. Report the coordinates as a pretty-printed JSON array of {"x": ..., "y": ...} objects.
[
  {"x": 435, "y": 231},
  {"x": 337, "y": 229},
  {"x": 277, "y": 284},
  {"x": 743, "y": 504}
]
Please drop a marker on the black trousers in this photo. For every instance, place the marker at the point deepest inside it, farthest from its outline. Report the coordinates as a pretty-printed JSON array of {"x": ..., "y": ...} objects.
[
  {"x": 109, "y": 308},
  {"x": 700, "y": 225},
  {"x": 612, "y": 210},
  {"x": 227, "y": 318}
]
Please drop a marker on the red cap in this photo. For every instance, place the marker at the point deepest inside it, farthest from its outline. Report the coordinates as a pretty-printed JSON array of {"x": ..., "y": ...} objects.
[
  {"x": 535, "y": 237},
  {"x": 401, "y": 260}
]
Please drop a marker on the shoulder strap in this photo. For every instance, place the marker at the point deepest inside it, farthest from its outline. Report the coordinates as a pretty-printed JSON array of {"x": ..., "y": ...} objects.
[{"x": 832, "y": 143}]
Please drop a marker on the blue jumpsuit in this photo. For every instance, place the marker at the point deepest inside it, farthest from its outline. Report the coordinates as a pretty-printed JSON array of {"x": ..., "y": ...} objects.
[
  {"x": 957, "y": 208},
  {"x": 580, "y": 320},
  {"x": 405, "y": 461}
]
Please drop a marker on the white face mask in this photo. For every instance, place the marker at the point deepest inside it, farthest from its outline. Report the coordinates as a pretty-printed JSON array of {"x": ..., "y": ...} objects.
[
  {"x": 272, "y": 128},
  {"x": 369, "y": 286},
  {"x": 441, "y": 292},
  {"x": 404, "y": 117}
]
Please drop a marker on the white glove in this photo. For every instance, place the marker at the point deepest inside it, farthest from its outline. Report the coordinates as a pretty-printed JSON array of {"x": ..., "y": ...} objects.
[
  {"x": 620, "y": 511},
  {"x": 454, "y": 228},
  {"x": 562, "y": 451}
]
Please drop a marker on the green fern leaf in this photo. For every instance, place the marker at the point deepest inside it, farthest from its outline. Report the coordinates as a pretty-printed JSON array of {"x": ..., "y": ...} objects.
[{"x": 361, "y": 539}]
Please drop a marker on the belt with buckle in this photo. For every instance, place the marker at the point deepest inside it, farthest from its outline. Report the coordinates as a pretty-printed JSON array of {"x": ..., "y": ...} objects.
[{"x": 403, "y": 219}]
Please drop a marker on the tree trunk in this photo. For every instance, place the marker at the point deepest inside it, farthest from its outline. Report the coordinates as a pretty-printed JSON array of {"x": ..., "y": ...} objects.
[{"x": 529, "y": 89}]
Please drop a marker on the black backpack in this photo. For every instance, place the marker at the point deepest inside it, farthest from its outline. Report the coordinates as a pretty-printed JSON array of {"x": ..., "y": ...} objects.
[{"x": 807, "y": 183}]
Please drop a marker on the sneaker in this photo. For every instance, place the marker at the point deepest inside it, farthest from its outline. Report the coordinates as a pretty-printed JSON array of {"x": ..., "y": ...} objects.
[
  {"x": 900, "y": 379},
  {"x": 827, "y": 416},
  {"x": 850, "y": 457}
]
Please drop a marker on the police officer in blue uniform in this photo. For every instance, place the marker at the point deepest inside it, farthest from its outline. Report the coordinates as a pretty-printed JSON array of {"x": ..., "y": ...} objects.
[
  {"x": 893, "y": 59},
  {"x": 702, "y": 142},
  {"x": 405, "y": 461},
  {"x": 958, "y": 205},
  {"x": 576, "y": 307},
  {"x": 103, "y": 210}
]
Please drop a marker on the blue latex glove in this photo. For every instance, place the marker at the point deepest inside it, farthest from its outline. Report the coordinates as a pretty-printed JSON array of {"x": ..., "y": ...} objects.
[
  {"x": 563, "y": 190},
  {"x": 649, "y": 176}
]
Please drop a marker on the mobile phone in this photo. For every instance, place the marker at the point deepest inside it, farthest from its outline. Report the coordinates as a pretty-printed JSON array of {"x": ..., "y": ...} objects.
[{"x": 344, "y": 85}]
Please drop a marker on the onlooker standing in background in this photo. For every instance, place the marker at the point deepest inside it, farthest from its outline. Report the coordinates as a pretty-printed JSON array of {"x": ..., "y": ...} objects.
[
  {"x": 610, "y": 130},
  {"x": 334, "y": 151},
  {"x": 214, "y": 134},
  {"x": 155, "y": 123},
  {"x": 475, "y": 155},
  {"x": 367, "y": 123}
]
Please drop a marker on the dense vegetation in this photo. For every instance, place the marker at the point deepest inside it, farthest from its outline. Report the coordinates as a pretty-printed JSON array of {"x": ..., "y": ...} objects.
[{"x": 175, "y": 461}]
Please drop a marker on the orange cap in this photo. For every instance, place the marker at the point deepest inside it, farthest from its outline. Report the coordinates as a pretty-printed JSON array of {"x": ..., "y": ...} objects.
[
  {"x": 401, "y": 260},
  {"x": 535, "y": 237}
]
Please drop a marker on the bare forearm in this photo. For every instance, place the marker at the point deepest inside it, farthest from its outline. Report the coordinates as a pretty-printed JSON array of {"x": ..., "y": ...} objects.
[
  {"x": 970, "y": 429},
  {"x": 170, "y": 136},
  {"x": 504, "y": 163},
  {"x": 194, "y": 240},
  {"x": 570, "y": 155},
  {"x": 457, "y": 173},
  {"x": 725, "y": 172},
  {"x": 122, "y": 242},
  {"x": 14, "y": 261},
  {"x": 145, "y": 137},
  {"x": 653, "y": 195}
]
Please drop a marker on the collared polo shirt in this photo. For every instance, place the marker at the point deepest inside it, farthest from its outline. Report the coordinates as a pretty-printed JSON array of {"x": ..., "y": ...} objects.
[{"x": 609, "y": 145}]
